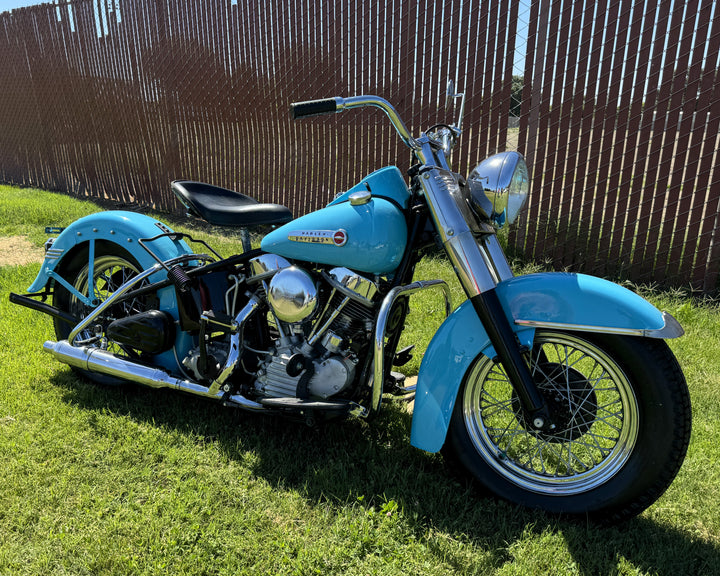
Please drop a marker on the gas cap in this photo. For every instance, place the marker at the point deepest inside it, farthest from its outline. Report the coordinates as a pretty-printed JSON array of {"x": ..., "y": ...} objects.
[{"x": 360, "y": 198}]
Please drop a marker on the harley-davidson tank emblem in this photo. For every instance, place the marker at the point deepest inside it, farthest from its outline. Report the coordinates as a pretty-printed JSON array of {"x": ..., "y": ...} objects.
[{"x": 332, "y": 237}]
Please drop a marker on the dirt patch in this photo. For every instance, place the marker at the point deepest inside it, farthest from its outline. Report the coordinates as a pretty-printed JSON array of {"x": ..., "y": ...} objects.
[{"x": 18, "y": 250}]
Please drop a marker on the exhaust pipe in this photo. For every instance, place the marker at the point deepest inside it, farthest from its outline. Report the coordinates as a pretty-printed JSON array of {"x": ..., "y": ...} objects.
[{"x": 103, "y": 362}]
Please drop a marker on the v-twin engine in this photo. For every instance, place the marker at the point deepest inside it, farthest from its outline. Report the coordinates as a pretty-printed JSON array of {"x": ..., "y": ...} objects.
[{"x": 320, "y": 330}]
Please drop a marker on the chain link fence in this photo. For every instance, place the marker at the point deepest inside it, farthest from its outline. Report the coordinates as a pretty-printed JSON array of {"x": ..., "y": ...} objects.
[{"x": 618, "y": 116}]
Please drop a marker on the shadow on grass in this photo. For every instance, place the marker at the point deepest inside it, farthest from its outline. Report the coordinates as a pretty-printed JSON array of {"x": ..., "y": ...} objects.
[{"x": 371, "y": 463}]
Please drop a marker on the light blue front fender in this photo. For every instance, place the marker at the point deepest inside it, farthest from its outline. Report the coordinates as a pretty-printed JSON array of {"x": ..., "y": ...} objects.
[
  {"x": 119, "y": 227},
  {"x": 549, "y": 300}
]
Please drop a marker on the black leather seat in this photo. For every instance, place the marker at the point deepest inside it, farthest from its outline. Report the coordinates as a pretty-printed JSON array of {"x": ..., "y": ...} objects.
[{"x": 223, "y": 207}]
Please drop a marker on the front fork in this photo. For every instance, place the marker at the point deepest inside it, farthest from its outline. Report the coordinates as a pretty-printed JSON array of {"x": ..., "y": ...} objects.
[
  {"x": 480, "y": 265},
  {"x": 491, "y": 314}
]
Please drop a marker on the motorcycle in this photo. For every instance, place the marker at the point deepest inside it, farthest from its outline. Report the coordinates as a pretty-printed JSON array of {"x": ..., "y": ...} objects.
[{"x": 552, "y": 390}]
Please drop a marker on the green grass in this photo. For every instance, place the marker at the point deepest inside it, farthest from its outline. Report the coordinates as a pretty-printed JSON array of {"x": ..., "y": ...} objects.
[{"x": 136, "y": 481}]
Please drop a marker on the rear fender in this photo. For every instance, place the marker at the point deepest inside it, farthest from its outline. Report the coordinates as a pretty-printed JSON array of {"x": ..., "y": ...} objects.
[
  {"x": 118, "y": 227},
  {"x": 123, "y": 229},
  {"x": 549, "y": 300}
]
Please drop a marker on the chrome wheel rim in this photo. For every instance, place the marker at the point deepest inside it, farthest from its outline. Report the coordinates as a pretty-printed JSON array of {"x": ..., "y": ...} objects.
[{"x": 591, "y": 400}]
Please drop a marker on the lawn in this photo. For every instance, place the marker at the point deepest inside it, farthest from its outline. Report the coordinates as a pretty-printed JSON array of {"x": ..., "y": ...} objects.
[{"x": 136, "y": 481}]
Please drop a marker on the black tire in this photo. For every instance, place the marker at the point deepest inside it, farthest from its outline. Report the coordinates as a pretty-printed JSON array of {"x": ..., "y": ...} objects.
[
  {"x": 622, "y": 413},
  {"x": 113, "y": 265}
]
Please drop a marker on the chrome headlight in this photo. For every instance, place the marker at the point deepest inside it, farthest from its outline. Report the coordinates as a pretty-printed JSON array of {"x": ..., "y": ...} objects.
[{"x": 503, "y": 179}]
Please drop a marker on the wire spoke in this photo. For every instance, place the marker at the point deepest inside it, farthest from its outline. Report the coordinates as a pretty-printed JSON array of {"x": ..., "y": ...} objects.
[{"x": 588, "y": 397}]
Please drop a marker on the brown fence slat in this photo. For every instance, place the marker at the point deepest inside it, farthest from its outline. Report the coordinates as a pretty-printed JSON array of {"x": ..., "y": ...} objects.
[
  {"x": 529, "y": 121},
  {"x": 682, "y": 250},
  {"x": 644, "y": 186},
  {"x": 621, "y": 176},
  {"x": 569, "y": 132},
  {"x": 707, "y": 256},
  {"x": 546, "y": 149},
  {"x": 677, "y": 82},
  {"x": 582, "y": 179},
  {"x": 609, "y": 218}
]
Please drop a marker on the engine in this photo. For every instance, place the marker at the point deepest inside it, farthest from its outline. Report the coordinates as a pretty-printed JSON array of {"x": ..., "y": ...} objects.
[{"x": 323, "y": 322}]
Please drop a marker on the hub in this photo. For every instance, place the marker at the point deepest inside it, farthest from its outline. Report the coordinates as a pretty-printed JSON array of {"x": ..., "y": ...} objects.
[{"x": 570, "y": 398}]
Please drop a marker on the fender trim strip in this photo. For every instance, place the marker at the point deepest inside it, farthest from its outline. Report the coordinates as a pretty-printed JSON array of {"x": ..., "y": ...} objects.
[{"x": 671, "y": 328}]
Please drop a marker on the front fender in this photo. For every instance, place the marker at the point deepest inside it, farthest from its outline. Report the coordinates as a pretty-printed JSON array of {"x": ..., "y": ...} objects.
[
  {"x": 548, "y": 300},
  {"x": 119, "y": 227},
  {"x": 585, "y": 303}
]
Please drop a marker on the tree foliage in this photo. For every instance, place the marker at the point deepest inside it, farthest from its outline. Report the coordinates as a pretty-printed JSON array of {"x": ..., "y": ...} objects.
[{"x": 516, "y": 95}]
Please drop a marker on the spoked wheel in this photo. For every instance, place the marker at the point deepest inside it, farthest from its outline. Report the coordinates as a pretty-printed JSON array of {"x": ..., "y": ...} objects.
[
  {"x": 113, "y": 266},
  {"x": 620, "y": 412}
]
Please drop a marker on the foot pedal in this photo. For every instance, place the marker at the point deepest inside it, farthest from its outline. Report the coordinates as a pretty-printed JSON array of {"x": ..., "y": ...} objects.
[
  {"x": 399, "y": 389},
  {"x": 404, "y": 356}
]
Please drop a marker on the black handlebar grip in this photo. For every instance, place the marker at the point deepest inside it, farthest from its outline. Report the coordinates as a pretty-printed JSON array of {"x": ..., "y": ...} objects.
[{"x": 313, "y": 107}]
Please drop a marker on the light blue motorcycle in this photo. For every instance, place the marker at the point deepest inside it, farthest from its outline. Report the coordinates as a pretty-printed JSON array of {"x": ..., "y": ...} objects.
[{"x": 552, "y": 390}]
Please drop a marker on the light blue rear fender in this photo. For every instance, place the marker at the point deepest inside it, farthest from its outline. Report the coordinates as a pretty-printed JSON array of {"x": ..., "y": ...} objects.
[
  {"x": 124, "y": 229},
  {"x": 548, "y": 300},
  {"x": 119, "y": 227}
]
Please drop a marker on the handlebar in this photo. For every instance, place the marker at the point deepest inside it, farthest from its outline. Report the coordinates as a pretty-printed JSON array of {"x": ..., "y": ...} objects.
[
  {"x": 313, "y": 107},
  {"x": 337, "y": 104}
]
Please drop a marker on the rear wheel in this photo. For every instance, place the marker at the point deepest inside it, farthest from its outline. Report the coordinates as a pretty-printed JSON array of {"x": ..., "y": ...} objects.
[
  {"x": 112, "y": 267},
  {"x": 621, "y": 414}
]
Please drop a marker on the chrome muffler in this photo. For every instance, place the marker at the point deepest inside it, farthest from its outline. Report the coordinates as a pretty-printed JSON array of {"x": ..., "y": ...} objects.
[{"x": 103, "y": 362}]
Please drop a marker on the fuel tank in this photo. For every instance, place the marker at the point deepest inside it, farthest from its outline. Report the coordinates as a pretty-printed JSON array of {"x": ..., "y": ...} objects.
[{"x": 364, "y": 232}]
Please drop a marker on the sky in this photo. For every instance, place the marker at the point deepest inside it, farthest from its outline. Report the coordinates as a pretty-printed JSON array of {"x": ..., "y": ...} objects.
[{"x": 6, "y": 5}]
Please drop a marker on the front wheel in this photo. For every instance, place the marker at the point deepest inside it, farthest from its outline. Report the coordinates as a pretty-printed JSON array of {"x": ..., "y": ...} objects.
[{"x": 621, "y": 426}]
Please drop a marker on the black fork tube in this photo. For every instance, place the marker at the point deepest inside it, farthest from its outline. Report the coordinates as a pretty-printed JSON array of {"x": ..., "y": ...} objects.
[{"x": 489, "y": 310}]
